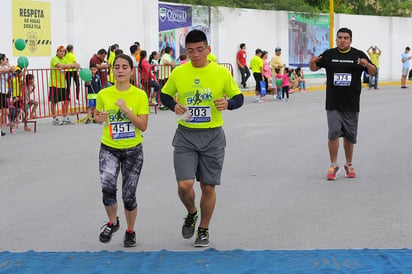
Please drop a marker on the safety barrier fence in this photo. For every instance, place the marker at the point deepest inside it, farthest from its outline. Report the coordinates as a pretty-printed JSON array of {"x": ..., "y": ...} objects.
[{"x": 19, "y": 91}]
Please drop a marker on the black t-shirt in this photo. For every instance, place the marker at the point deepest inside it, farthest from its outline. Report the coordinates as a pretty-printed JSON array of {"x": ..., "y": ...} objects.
[{"x": 343, "y": 78}]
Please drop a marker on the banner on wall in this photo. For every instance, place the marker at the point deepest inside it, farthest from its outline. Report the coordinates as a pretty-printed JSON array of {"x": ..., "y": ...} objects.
[
  {"x": 31, "y": 22},
  {"x": 175, "y": 21},
  {"x": 308, "y": 37}
]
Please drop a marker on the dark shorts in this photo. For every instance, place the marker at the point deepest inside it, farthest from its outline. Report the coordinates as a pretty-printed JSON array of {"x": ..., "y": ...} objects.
[
  {"x": 91, "y": 103},
  {"x": 199, "y": 153},
  {"x": 58, "y": 94},
  {"x": 4, "y": 103},
  {"x": 343, "y": 124}
]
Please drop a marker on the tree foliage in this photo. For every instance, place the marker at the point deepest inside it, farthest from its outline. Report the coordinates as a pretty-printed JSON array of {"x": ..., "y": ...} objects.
[{"x": 365, "y": 7}]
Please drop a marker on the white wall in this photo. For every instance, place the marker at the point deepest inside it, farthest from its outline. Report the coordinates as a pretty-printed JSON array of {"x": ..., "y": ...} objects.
[{"x": 94, "y": 24}]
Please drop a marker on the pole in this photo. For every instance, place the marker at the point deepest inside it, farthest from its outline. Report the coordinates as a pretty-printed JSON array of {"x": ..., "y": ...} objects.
[{"x": 331, "y": 23}]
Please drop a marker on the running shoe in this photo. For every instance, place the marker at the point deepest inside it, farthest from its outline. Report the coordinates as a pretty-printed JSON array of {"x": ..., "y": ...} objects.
[
  {"x": 188, "y": 228},
  {"x": 3, "y": 133},
  {"x": 349, "y": 171},
  {"x": 108, "y": 230},
  {"x": 129, "y": 239},
  {"x": 66, "y": 121},
  {"x": 332, "y": 173},
  {"x": 56, "y": 122},
  {"x": 202, "y": 239}
]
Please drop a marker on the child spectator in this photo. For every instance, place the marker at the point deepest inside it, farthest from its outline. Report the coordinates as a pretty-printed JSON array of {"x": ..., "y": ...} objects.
[
  {"x": 278, "y": 81},
  {"x": 266, "y": 69},
  {"x": 93, "y": 88},
  {"x": 17, "y": 106},
  {"x": 182, "y": 59},
  {"x": 294, "y": 81},
  {"x": 285, "y": 84},
  {"x": 301, "y": 78},
  {"x": 31, "y": 104}
]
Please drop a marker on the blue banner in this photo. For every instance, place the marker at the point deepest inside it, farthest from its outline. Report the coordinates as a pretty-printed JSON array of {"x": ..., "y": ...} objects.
[{"x": 173, "y": 17}]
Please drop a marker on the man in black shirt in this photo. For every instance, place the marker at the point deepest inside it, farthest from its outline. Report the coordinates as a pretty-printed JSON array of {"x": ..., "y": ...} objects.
[{"x": 344, "y": 66}]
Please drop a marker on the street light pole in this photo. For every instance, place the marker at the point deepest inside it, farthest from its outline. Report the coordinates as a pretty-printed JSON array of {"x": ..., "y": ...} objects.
[{"x": 331, "y": 23}]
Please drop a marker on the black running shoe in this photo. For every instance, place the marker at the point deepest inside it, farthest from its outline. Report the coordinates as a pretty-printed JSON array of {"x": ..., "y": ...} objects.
[
  {"x": 202, "y": 239},
  {"x": 3, "y": 133},
  {"x": 108, "y": 230},
  {"x": 129, "y": 239},
  {"x": 188, "y": 228}
]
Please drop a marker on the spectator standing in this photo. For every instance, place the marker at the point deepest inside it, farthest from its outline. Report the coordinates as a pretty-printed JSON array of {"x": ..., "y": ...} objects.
[
  {"x": 57, "y": 85},
  {"x": 166, "y": 65},
  {"x": 93, "y": 87},
  {"x": 71, "y": 73},
  {"x": 124, "y": 109},
  {"x": 276, "y": 62},
  {"x": 29, "y": 89},
  {"x": 19, "y": 113},
  {"x": 99, "y": 59},
  {"x": 344, "y": 66},
  {"x": 110, "y": 59},
  {"x": 301, "y": 79},
  {"x": 266, "y": 69},
  {"x": 374, "y": 54},
  {"x": 5, "y": 70},
  {"x": 137, "y": 56},
  {"x": 278, "y": 79},
  {"x": 286, "y": 84},
  {"x": 133, "y": 52},
  {"x": 405, "y": 66},
  {"x": 199, "y": 142},
  {"x": 148, "y": 79},
  {"x": 256, "y": 65},
  {"x": 241, "y": 60}
]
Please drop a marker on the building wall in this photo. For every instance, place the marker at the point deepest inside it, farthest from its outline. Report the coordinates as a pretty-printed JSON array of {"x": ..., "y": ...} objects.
[{"x": 94, "y": 24}]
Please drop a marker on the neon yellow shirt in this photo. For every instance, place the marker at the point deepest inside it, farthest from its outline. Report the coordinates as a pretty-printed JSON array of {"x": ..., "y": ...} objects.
[
  {"x": 110, "y": 61},
  {"x": 120, "y": 133},
  {"x": 196, "y": 88},
  {"x": 70, "y": 59},
  {"x": 374, "y": 58},
  {"x": 57, "y": 78},
  {"x": 211, "y": 57},
  {"x": 256, "y": 63},
  {"x": 16, "y": 87}
]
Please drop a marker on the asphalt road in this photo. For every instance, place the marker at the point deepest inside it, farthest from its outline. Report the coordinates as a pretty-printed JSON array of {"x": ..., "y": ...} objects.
[{"x": 274, "y": 194}]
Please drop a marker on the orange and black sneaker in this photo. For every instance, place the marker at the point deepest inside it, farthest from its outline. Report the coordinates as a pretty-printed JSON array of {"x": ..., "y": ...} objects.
[
  {"x": 332, "y": 173},
  {"x": 349, "y": 171}
]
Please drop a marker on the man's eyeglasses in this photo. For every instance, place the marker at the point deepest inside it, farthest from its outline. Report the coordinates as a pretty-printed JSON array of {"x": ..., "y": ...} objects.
[{"x": 198, "y": 50}]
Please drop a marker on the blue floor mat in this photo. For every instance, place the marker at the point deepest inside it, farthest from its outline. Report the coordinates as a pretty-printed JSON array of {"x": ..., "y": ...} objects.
[{"x": 211, "y": 261}]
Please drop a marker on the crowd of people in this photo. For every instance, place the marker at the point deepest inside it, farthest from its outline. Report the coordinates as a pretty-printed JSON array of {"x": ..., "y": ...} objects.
[
  {"x": 16, "y": 102},
  {"x": 271, "y": 75}
]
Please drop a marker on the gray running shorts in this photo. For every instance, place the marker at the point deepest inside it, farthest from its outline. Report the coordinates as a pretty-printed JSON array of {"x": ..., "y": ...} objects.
[
  {"x": 343, "y": 124},
  {"x": 199, "y": 153}
]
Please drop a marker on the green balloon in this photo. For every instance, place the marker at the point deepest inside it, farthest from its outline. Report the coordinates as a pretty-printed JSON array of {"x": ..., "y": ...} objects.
[
  {"x": 20, "y": 44},
  {"x": 23, "y": 62},
  {"x": 86, "y": 74}
]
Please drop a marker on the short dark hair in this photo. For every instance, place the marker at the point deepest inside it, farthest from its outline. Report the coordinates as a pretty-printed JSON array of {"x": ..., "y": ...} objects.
[
  {"x": 102, "y": 51},
  {"x": 407, "y": 48},
  {"x": 257, "y": 51},
  {"x": 93, "y": 65},
  {"x": 168, "y": 50},
  {"x": 69, "y": 47},
  {"x": 345, "y": 30},
  {"x": 133, "y": 48},
  {"x": 195, "y": 36},
  {"x": 242, "y": 45}
]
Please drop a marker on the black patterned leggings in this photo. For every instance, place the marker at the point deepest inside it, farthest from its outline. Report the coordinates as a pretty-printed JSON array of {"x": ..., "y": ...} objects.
[{"x": 129, "y": 162}]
